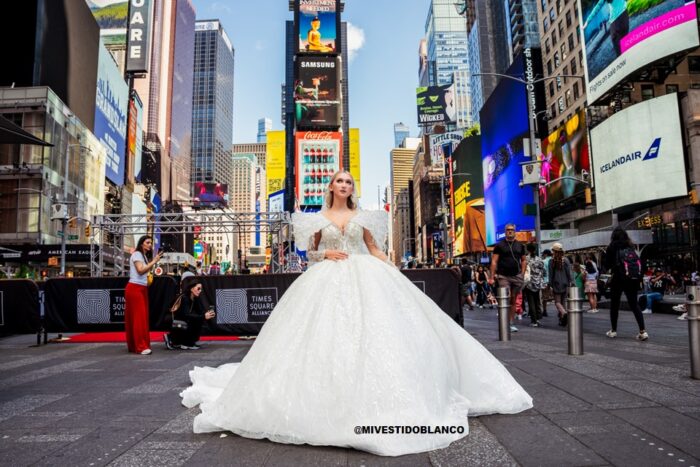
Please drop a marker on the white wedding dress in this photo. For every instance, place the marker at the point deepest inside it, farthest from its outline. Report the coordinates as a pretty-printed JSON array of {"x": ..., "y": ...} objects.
[{"x": 354, "y": 343}]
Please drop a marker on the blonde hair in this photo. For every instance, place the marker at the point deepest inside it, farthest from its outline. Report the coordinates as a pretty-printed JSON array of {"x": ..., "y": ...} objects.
[{"x": 328, "y": 199}]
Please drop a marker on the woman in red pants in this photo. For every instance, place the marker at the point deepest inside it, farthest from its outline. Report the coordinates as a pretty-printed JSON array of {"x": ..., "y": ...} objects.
[{"x": 136, "y": 296}]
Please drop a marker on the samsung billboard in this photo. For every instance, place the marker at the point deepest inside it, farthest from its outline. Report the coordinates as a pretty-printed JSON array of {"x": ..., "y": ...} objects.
[
  {"x": 622, "y": 36},
  {"x": 638, "y": 155},
  {"x": 111, "y": 109}
]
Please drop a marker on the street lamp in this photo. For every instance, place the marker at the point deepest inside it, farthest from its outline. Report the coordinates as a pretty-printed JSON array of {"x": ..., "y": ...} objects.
[{"x": 533, "y": 147}]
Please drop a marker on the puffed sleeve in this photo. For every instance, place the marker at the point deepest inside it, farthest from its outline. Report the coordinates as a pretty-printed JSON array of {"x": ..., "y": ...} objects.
[
  {"x": 306, "y": 225},
  {"x": 377, "y": 223}
]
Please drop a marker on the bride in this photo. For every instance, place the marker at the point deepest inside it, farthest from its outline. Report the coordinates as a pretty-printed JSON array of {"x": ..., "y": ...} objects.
[{"x": 354, "y": 355}]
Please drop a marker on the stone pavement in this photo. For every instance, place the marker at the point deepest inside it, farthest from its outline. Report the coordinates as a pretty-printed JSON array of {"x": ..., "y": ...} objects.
[{"x": 622, "y": 403}]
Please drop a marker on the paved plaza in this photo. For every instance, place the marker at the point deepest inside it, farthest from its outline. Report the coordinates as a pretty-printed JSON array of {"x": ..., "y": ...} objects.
[{"x": 622, "y": 403}]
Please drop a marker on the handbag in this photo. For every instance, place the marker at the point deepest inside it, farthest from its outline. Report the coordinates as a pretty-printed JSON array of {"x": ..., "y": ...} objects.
[
  {"x": 149, "y": 278},
  {"x": 178, "y": 323}
]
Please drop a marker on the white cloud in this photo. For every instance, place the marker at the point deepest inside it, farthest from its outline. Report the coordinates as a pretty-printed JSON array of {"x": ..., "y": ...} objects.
[
  {"x": 356, "y": 40},
  {"x": 219, "y": 7}
]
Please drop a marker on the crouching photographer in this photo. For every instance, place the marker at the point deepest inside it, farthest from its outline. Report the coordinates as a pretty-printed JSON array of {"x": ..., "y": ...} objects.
[{"x": 188, "y": 317}]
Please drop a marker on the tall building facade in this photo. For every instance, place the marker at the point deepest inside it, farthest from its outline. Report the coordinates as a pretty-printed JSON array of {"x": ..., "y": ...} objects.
[
  {"x": 260, "y": 152},
  {"x": 242, "y": 194},
  {"x": 423, "y": 64},
  {"x": 447, "y": 53},
  {"x": 264, "y": 125},
  {"x": 562, "y": 54},
  {"x": 212, "y": 109},
  {"x": 522, "y": 19},
  {"x": 401, "y": 132}
]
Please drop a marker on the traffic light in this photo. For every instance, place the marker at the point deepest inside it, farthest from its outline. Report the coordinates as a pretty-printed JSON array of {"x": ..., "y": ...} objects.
[
  {"x": 693, "y": 195},
  {"x": 72, "y": 222},
  {"x": 587, "y": 195},
  {"x": 87, "y": 231}
]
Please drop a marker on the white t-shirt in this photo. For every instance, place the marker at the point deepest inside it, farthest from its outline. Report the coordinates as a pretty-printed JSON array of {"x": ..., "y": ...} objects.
[{"x": 134, "y": 276}]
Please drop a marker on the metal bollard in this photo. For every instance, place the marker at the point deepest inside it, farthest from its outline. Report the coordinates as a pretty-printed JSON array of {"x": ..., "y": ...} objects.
[
  {"x": 692, "y": 306},
  {"x": 503, "y": 297},
  {"x": 574, "y": 309}
]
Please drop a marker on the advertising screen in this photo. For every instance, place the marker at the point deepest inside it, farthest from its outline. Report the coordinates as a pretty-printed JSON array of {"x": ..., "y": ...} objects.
[
  {"x": 638, "y": 154},
  {"x": 565, "y": 154},
  {"x": 210, "y": 195},
  {"x": 468, "y": 197},
  {"x": 111, "y": 17},
  {"x": 318, "y": 24},
  {"x": 502, "y": 152},
  {"x": 443, "y": 145},
  {"x": 135, "y": 140},
  {"x": 316, "y": 102},
  {"x": 275, "y": 161},
  {"x": 436, "y": 104},
  {"x": 111, "y": 107},
  {"x": 621, "y": 36},
  {"x": 318, "y": 156},
  {"x": 354, "y": 147}
]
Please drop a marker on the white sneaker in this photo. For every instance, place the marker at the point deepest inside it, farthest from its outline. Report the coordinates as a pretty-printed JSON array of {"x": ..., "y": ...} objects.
[
  {"x": 646, "y": 312},
  {"x": 513, "y": 328},
  {"x": 680, "y": 307},
  {"x": 683, "y": 316},
  {"x": 593, "y": 310},
  {"x": 642, "y": 336},
  {"x": 611, "y": 334},
  {"x": 146, "y": 352}
]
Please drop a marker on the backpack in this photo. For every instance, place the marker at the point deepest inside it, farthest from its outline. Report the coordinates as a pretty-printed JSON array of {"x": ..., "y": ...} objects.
[{"x": 629, "y": 263}]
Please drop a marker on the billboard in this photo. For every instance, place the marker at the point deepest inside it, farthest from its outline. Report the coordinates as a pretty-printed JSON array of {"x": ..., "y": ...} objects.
[
  {"x": 318, "y": 157},
  {"x": 638, "y": 154},
  {"x": 138, "y": 45},
  {"x": 111, "y": 17},
  {"x": 502, "y": 153},
  {"x": 436, "y": 104},
  {"x": 354, "y": 169},
  {"x": 135, "y": 136},
  {"x": 621, "y": 36},
  {"x": 467, "y": 195},
  {"x": 318, "y": 26},
  {"x": 275, "y": 167},
  {"x": 210, "y": 195},
  {"x": 316, "y": 100},
  {"x": 111, "y": 107},
  {"x": 565, "y": 154},
  {"x": 443, "y": 145}
]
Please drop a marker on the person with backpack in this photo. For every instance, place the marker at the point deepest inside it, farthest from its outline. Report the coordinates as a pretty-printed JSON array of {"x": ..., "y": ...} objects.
[{"x": 622, "y": 261}]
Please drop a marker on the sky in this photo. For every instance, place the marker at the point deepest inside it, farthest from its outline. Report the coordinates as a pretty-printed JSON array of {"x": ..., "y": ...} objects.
[{"x": 383, "y": 71}]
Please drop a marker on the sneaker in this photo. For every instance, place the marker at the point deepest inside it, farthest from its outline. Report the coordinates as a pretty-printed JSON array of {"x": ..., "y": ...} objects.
[
  {"x": 683, "y": 316},
  {"x": 513, "y": 328},
  {"x": 642, "y": 336},
  {"x": 680, "y": 308},
  {"x": 593, "y": 310},
  {"x": 190, "y": 347},
  {"x": 168, "y": 344},
  {"x": 535, "y": 325},
  {"x": 146, "y": 352},
  {"x": 519, "y": 317},
  {"x": 611, "y": 334},
  {"x": 646, "y": 311}
]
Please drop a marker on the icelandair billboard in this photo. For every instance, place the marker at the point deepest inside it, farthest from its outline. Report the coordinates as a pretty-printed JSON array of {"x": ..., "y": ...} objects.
[{"x": 638, "y": 155}]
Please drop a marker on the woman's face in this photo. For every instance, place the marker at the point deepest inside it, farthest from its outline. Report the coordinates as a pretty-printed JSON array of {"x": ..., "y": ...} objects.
[
  {"x": 196, "y": 290},
  {"x": 342, "y": 186},
  {"x": 147, "y": 244}
]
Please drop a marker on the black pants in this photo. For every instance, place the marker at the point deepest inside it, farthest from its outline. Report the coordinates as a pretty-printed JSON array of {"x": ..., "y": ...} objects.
[
  {"x": 630, "y": 289},
  {"x": 534, "y": 306},
  {"x": 189, "y": 336}
]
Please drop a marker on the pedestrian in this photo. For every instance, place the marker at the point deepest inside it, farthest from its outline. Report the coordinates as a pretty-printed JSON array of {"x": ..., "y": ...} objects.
[
  {"x": 136, "y": 297},
  {"x": 534, "y": 285},
  {"x": 482, "y": 285},
  {"x": 466, "y": 276},
  {"x": 622, "y": 261},
  {"x": 560, "y": 277},
  {"x": 190, "y": 311},
  {"x": 658, "y": 284},
  {"x": 546, "y": 294},
  {"x": 579, "y": 277},
  {"x": 508, "y": 265},
  {"x": 590, "y": 287}
]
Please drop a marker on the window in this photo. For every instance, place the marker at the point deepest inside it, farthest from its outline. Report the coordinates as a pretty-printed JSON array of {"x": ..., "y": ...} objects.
[
  {"x": 568, "y": 97},
  {"x": 551, "y": 89},
  {"x": 544, "y": 4},
  {"x": 574, "y": 68},
  {"x": 552, "y": 111},
  {"x": 571, "y": 41},
  {"x": 554, "y": 38},
  {"x": 671, "y": 88},
  {"x": 552, "y": 15},
  {"x": 556, "y": 59},
  {"x": 561, "y": 28},
  {"x": 576, "y": 91},
  {"x": 561, "y": 104},
  {"x": 545, "y": 24},
  {"x": 558, "y": 80},
  {"x": 549, "y": 67},
  {"x": 694, "y": 64},
  {"x": 647, "y": 91},
  {"x": 547, "y": 46},
  {"x": 563, "y": 51},
  {"x": 568, "y": 19}
]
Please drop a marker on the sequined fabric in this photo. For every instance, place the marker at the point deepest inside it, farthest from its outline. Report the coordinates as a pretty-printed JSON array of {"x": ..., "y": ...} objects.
[{"x": 353, "y": 343}]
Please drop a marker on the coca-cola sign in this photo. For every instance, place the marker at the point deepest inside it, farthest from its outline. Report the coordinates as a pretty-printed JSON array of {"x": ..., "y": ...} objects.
[{"x": 318, "y": 135}]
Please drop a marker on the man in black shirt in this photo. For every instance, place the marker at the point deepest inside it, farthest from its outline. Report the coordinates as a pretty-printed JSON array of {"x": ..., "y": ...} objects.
[{"x": 508, "y": 265}]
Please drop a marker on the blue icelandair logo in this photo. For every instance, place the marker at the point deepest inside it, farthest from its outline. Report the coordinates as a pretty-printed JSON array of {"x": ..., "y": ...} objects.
[{"x": 652, "y": 153}]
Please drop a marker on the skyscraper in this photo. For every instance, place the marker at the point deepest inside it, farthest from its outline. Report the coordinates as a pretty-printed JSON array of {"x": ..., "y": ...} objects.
[
  {"x": 212, "y": 109},
  {"x": 401, "y": 132},
  {"x": 446, "y": 39},
  {"x": 242, "y": 193},
  {"x": 264, "y": 125},
  {"x": 524, "y": 27}
]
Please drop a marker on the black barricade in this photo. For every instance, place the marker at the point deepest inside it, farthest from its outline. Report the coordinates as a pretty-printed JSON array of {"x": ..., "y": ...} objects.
[
  {"x": 97, "y": 304},
  {"x": 19, "y": 307},
  {"x": 441, "y": 285},
  {"x": 243, "y": 303}
]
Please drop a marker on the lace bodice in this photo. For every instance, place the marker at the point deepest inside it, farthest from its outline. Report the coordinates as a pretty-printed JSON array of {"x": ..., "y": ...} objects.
[{"x": 333, "y": 238}]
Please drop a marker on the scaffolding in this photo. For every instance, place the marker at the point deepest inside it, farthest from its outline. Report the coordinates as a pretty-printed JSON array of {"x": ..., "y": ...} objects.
[{"x": 109, "y": 231}]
